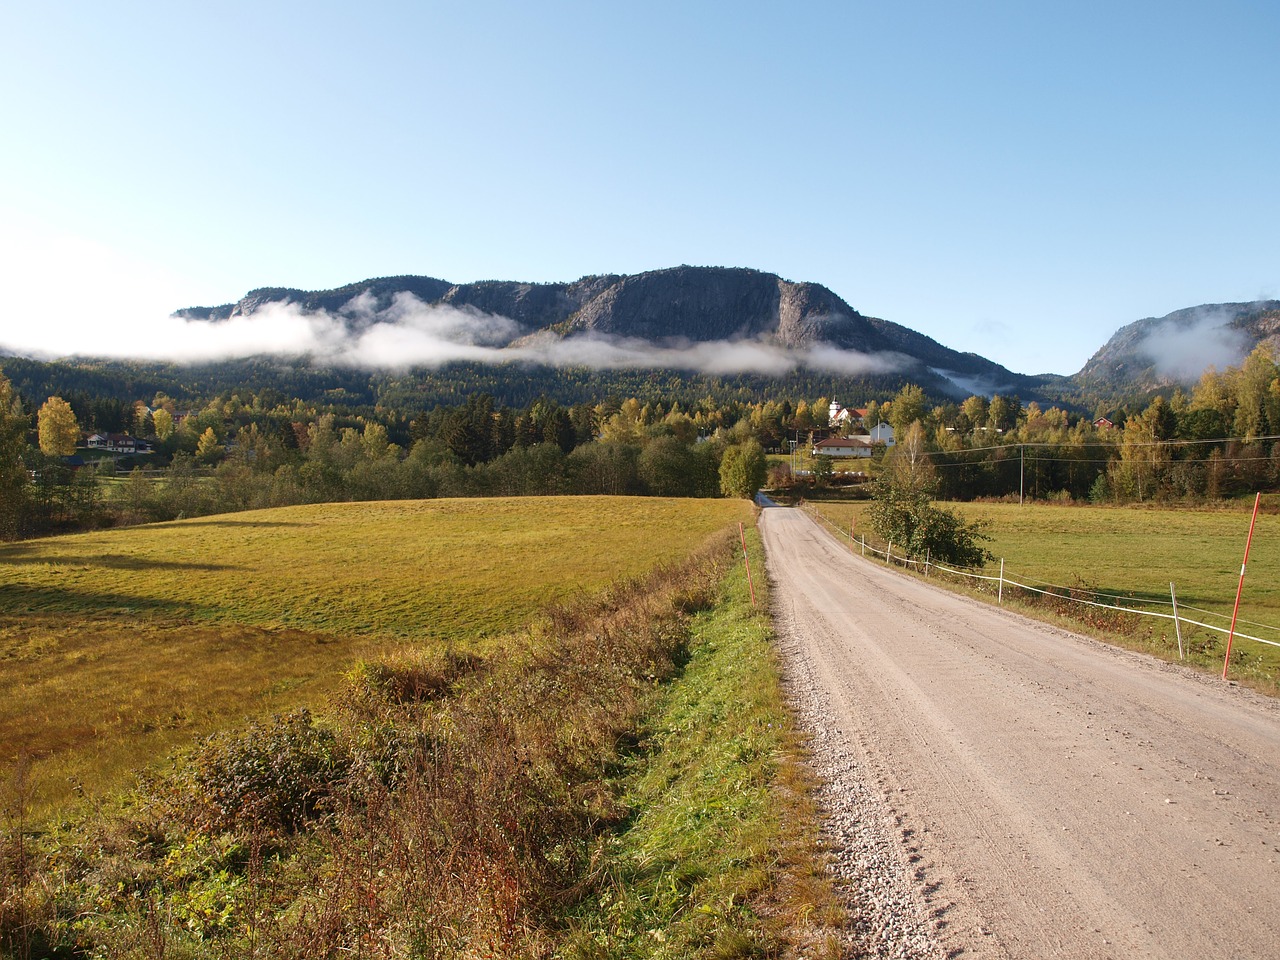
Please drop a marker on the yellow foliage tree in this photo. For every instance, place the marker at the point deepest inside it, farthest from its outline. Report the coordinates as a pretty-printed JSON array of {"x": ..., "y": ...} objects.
[
  {"x": 208, "y": 449},
  {"x": 57, "y": 428},
  {"x": 162, "y": 423}
]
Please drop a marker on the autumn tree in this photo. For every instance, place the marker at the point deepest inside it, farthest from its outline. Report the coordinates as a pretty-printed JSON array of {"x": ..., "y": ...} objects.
[
  {"x": 1003, "y": 413},
  {"x": 903, "y": 512},
  {"x": 1144, "y": 455},
  {"x": 908, "y": 466},
  {"x": 143, "y": 420},
  {"x": 873, "y": 416},
  {"x": 1255, "y": 388},
  {"x": 626, "y": 426},
  {"x": 208, "y": 448},
  {"x": 802, "y": 418},
  {"x": 681, "y": 426},
  {"x": 375, "y": 444},
  {"x": 907, "y": 407},
  {"x": 162, "y": 424},
  {"x": 58, "y": 431},
  {"x": 976, "y": 411}
]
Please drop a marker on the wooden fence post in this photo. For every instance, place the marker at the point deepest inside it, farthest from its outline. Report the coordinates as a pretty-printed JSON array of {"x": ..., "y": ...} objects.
[
  {"x": 1176, "y": 625},
  {"x": 747, "y": 561}
]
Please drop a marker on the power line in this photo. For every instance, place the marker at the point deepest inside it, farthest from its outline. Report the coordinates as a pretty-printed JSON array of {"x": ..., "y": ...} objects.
[
  {"x": 1112, "y": 443},
  {"x": 1088, "y": 460}
]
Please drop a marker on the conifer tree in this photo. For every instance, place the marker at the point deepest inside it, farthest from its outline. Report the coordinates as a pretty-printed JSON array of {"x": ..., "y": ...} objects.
[{"x": 13, "y": 472}]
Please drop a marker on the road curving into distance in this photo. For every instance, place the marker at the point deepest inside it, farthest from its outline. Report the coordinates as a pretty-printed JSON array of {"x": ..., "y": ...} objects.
[{"x": 1044, "y": 795}]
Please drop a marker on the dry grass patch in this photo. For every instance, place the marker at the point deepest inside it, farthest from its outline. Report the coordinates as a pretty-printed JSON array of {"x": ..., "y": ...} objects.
[
  {"x": 85, "y": 704},
  {"x": 116, "y": 646}
]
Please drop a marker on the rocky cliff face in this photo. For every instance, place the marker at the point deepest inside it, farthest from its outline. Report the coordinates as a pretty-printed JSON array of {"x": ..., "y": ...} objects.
[
  {"x": 682, "y": 303},
  {"x": 685, "y": 303}
]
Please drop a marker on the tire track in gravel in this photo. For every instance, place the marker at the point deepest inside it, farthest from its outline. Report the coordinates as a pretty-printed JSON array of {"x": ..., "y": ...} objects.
[{"x": 997, "y": 787}]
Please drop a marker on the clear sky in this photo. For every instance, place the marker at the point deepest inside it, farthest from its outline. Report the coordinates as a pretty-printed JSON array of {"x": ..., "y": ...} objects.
[{"x": 1018, "y": 179}]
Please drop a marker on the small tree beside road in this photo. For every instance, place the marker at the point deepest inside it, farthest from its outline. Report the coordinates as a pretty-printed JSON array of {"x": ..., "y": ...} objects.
[
  {"x": 743, "y": 470},
  {"x": 904, "y": 513}
]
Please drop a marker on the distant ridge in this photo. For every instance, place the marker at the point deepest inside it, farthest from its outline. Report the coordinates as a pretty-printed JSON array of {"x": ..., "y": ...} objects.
[
  {"x": 1161, "y": 352},
  {"x": 735, "y": 305}
]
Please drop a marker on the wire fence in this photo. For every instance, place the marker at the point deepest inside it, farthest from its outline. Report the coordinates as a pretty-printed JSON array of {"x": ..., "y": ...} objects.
[{"x": 1057, "y": 592}]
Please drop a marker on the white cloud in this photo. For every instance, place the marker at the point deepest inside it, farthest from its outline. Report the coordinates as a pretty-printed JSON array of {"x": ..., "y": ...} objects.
[
  {"x": 66, "y": 295},
  {"x": 408, "y": 333},
  {"x": 1183, "y": 352}
]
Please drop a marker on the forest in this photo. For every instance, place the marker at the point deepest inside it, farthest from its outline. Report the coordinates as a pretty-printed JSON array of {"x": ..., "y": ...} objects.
[{"x": 256, "y": 446}]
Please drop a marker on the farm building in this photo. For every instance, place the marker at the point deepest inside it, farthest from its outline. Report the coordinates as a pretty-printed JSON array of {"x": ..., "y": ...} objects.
[
  {"x": 116, "y": 443},
  {"x": 842, "y": 447}
]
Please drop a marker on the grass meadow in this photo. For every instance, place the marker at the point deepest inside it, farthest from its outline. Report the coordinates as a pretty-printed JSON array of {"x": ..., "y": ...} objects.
[
  {"x": 1136, "y": 553},
  {"x": 118, "y": 646}
]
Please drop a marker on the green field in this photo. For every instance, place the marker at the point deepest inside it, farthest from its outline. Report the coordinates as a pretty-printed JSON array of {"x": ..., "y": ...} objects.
[
  {"x": 119, "y": 645},
  {"x": 1137, "y": 553}
]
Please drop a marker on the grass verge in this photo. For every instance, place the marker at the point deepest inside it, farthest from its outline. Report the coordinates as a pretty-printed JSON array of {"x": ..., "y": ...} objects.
[{"x": 716, "y": 858}]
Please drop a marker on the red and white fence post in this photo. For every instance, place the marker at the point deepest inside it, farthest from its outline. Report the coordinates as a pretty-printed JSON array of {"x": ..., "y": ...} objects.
[{"x": 1226, "y": 661}]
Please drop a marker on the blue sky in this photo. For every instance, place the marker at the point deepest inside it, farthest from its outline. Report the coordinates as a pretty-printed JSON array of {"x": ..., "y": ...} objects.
[{"x": 1015, "y": 179}]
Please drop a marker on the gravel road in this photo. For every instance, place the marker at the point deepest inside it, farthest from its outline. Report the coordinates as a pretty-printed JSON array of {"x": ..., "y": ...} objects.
[{"x": 996, "y": 787}]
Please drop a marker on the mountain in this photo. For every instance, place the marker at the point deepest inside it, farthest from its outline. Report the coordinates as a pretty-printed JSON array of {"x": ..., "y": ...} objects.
[
  {"x": 710, "y": 330},
  {"x": 1161, "y": 352},
  {"x": 670, "y": 309}
]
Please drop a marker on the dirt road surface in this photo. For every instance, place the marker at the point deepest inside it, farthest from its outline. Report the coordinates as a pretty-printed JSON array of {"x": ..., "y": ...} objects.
[{"x": 1044, "y": 795}]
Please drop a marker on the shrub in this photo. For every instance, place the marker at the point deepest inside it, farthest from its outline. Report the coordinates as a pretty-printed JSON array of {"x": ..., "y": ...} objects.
[
  {"x": 276, "y": 774},
  {"x": 920, "y": 527},
  {"x": 415, "y": 676}
]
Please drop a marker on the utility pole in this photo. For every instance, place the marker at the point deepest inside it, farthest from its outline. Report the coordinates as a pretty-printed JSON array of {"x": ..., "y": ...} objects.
[{"x": 1022, "y": 451}]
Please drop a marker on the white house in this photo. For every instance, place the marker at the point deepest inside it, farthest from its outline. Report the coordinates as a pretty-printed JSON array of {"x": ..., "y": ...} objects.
[
  {"x": 116, "y": 443},
  {"x": 882, "y": 433},
  {"x": 842, "y": 447}
]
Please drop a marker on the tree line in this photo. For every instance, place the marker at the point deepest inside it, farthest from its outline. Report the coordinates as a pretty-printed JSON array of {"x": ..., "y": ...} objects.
[
  {"x": 244, "y": 449},
  {"x": 238, "y": 452},
  {"x": 1216, "y": 441}
]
